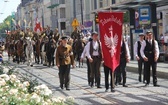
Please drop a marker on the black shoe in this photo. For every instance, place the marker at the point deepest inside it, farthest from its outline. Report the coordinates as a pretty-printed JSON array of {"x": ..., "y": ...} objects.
[
  {"x": 146, "y": 84},
  {"x": 61, "y": 86},
  {"x": 139, "y": 78},
  {"x": 120, "y": 83},
  {"x": 99, "y": 87},
  {"x": 144, "y": 81},
  {"x": 125, "y": 85},
  {"x": 156, "y": 85},
  {"x": 91, "y": 85},
  {"x": 67, "y": 89},
  {"x": 106, "y": 90},
  {"x": 112, "y": 90}
]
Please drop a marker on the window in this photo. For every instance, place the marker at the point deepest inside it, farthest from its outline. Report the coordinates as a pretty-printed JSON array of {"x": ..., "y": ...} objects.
[
  {"x": 63, "y": 25},
  {"x": 62, "y": 12},
  {"x": 101, "y": 3},
  {"x": 113, "y": 1},
  {"x": 95, "y": 4},
  {"x": 61, "y": 1}
]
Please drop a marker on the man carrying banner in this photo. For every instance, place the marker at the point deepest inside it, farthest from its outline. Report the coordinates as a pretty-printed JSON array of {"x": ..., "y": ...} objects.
[{"x": 110, "y": 30}]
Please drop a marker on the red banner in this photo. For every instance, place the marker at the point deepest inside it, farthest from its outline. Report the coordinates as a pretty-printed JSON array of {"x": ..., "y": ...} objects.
[{"x": 110, "y": 25}]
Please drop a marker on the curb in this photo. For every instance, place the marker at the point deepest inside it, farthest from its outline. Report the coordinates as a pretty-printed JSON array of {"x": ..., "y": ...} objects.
[{"x": 159, "y": 74}]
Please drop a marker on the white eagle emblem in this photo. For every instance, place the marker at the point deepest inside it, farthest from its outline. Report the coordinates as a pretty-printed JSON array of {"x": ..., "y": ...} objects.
[{"x": 111, "y": 42}]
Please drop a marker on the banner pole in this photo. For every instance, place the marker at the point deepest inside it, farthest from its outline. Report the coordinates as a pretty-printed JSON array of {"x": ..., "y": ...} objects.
[{"x": 110, "y": 8}]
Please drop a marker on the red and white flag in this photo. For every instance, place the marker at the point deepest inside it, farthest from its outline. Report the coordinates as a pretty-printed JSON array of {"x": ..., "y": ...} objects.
[
  {"x": 37, "y": 27},
  {"x": 110, "y": 25}
]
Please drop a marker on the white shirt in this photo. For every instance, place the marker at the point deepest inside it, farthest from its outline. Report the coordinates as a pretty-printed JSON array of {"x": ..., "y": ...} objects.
[
  {"x": 95, "y": 46},
  {"x": 127, "y": 50},
  {"x": 83, "y": 55},
  {"x": 143, "y": 48},
  {"x": 136, "y": 48}
]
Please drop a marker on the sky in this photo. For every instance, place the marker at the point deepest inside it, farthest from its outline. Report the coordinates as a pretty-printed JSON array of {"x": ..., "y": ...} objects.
[{"x": 6, "y": 8}]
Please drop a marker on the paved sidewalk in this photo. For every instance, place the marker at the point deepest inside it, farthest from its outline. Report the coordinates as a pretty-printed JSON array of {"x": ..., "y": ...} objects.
[{"x": 162, "y": 68}]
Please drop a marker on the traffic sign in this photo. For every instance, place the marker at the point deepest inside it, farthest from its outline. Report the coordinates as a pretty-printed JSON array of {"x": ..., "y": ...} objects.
[{"x": 75, "y": 23}]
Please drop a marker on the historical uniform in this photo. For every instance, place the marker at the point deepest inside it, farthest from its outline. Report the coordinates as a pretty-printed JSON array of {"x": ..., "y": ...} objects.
[
  {"x": 64, "y": 58},
  {"x": 121, "y": 69},
  {"x": 75, "y": 34},
  {"x": 138, "y": 56},
  {"x": 56, "y": 35},
  {"x": 94, "y": 53},
  {"x": 150, "y": 53}
]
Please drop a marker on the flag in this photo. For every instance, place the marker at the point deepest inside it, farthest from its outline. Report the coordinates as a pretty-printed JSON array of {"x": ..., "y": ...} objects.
[
  {"x": 14, "y": 21},
  {"x": 25, "y": 21},
  {"x": 37, "y": 27},
  {"x": 110, "y": 25},
  {"x": 7, "y": 32},
  {"x": 29, "y": 25}
]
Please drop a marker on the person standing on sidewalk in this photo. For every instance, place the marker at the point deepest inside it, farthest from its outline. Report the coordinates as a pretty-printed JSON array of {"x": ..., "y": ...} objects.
[
  {"x": 137, "y": 47},
  {"x": 64, "y": 59},
  {"x": 120, "y": 71},
  {"x": 150, "y": 53},
  {"x": 94, "y": 54}
]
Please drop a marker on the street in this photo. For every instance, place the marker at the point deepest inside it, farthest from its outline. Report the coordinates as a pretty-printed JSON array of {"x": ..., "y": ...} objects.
[{"x": 135, "y": 94}]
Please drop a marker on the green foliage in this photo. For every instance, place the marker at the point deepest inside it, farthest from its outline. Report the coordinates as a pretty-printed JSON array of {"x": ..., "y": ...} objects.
[
  {"x": 5, "y": 25},
  {"x": 126, "y": 17}
]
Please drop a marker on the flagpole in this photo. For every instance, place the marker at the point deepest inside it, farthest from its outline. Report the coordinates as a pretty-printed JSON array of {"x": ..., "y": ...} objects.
[{"x": 110, "y": 8}]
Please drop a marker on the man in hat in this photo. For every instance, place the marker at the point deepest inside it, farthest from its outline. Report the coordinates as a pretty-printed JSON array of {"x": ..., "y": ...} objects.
[
  {"x": 137, "y": 47},
  {"x": 64, "y": 58},
  {"x": 150, "y": 53},
  {"x": 94, "y": 54}
]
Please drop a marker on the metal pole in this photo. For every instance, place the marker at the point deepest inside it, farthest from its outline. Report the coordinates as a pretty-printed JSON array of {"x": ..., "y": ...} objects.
[
  {"x": 81, "y": 11},
  {"x": 74, "y": 8},
  {"x": 42, "y": 18}
]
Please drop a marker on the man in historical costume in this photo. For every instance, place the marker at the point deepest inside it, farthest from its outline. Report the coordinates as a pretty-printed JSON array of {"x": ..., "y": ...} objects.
[
  {"x": 43, "y": 49},
  {"x": 94, "y": 54},
  {"x": 150, "y": 53},
  {"x": 64, "y": 60},
  {"x": 51, "y": 46},
  {"x": 137, "y": 47},
  {"x": 56, "y": 35},
  {"x": 120, "y": 71},
  {"x": 29, "y": 33},
  {"x": 75, "y": 34},
  {"x": 49, "y": 32}
]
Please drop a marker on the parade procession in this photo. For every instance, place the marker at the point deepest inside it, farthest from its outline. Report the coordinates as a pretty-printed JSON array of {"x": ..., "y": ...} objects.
[{"x": 81, "y": 52}]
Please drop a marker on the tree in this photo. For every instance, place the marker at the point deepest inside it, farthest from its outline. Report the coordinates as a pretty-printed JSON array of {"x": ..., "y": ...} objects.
[
  {"x": 5, "y": 25},
  {"x": 126, "y": 17}
]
